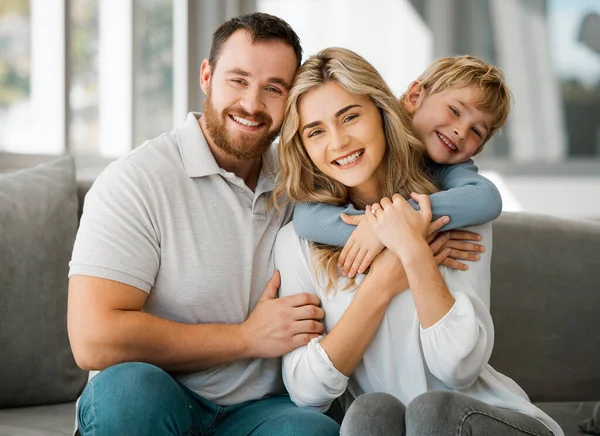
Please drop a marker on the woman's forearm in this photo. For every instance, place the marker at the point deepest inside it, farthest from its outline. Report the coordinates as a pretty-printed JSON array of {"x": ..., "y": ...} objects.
[
  {"x": 432, "y": 298},
  {"x": 348, "y": 340}
]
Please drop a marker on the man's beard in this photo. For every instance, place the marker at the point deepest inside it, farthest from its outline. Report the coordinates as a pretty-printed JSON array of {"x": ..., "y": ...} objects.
[{"x": 244, "y": 145}]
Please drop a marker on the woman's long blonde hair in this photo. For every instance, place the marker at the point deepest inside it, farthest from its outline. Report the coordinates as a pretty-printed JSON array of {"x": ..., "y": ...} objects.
[{"x": 298, "y": 178}]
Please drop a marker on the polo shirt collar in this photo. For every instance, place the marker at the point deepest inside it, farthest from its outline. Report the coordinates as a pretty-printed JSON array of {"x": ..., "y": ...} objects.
[{"x": 197, "y": 158}]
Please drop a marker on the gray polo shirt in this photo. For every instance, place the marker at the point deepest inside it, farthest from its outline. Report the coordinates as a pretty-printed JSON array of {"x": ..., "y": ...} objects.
[{"x": 167, "y": 220}]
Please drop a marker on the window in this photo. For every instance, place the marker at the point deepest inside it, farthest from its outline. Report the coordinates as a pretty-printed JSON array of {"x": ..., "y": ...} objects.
[
  {"x": 92, "y": 77},
  {"x": 574, "y": 31}
]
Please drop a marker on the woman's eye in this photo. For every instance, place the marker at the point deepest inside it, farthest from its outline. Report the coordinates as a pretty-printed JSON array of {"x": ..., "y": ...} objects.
[
  {"x": 314, "y": 133},
  {"x": 350, "y": 117},
  {"x": 454, "y": 110}
]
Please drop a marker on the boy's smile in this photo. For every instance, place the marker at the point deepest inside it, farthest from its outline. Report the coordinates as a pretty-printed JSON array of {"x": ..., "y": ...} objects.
[{"x": 449, "y": 123}]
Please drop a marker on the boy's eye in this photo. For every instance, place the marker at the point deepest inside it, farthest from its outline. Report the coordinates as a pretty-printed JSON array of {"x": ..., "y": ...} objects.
[
  {"x": 454, "y": 110},
  {"x": 476, "y": 132}
]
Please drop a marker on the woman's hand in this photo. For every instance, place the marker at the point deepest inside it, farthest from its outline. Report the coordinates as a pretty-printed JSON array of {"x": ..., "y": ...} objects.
[{"x": 397, "y": 224}]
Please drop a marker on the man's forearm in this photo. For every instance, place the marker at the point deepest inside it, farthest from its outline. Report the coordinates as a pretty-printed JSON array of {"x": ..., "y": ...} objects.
[{"x": 129, "y": 336}]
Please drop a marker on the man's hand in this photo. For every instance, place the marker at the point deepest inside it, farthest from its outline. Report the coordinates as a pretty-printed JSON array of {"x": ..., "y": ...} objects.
[
  {"x": 277, "y": 326},
  {"x": 361, "y": 248},
  {"x": 454, "y": 242}
]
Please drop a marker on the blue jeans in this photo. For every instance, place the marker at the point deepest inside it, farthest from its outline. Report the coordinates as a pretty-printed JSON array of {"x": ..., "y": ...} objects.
[{"x": 142, "y": 399}]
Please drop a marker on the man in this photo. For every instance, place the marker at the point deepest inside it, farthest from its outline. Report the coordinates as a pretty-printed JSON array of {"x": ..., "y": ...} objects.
[{"x": 169, "y": 294}]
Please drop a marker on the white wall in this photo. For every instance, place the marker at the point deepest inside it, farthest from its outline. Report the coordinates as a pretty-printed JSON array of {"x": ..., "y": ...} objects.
[{"x": 390, "y": 34}]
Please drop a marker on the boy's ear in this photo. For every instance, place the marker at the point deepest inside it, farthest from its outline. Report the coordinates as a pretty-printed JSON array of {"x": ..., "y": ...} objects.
[
  {"x": 205, "y": 75},
  {"x": 413, "y": 97}
]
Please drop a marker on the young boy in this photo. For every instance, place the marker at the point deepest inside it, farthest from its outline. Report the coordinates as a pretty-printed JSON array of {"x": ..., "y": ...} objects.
[{"x": 456, "y": 105}]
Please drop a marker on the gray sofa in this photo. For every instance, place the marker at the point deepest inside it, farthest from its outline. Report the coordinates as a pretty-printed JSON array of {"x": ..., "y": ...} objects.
[{"x": 545, "y": 303}]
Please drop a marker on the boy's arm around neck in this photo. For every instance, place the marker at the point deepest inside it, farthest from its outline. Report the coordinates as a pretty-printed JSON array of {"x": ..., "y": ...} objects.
[{"x": 468, "y": 198}]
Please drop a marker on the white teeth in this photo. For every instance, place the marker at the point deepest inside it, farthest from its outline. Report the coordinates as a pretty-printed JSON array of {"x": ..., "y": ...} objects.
[
  {"x": 445, "y": 141},
  {"x": 245, "y": 122},
  {"x": 348, "y": 160}
]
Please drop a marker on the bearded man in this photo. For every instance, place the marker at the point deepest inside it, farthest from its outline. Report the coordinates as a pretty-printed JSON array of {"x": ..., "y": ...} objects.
[{"x": 172, "y": 293}]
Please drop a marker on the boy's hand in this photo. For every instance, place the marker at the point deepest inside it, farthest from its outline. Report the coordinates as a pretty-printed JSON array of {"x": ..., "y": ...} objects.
[{"x": 361, "y": 248}]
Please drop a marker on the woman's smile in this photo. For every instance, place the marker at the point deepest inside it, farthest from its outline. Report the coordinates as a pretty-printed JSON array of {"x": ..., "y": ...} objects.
[{"x": 349, "y": 160}]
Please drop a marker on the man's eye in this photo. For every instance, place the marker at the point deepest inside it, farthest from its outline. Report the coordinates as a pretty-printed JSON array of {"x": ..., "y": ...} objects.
[
  {"x": 454, "y": 110},
  {"x": 273, "y": 89},
  {"x": 239, "y": 81}
]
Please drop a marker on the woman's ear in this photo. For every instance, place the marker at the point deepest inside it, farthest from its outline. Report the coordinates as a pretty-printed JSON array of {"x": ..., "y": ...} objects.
[{"x": 413, "y": 97}]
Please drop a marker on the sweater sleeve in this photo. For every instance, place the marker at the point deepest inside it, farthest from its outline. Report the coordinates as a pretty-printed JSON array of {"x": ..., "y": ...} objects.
[
  {"x": 308, "y": 374},
  {"x": 458, "y": 347},
  {"x": 468, "y": 198},
  {"x": 321, "y": 222}
]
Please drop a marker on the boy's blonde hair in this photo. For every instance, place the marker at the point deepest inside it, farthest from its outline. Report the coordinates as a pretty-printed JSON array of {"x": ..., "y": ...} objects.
[
  {"x": 466, "y": 70},
  {"x": 299, "y": 179}
]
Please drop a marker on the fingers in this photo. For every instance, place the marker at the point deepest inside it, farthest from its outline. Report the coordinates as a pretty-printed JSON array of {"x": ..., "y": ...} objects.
[
  {"x": 345, "y": 252},
  {"x": 360, "y": 256},
  {"x": 439, "y": 242},
  {"x": 385, "y": 203},
  {"x": 303, "y": 299},
  {"x": 270, "y": 291},
  {"x": 301, "y": 340},
  {"x": 454, "y": 264},
  {"x": 353, "y": 220},
  {"x": 370, "y": 214},
  {"x": 307, "y": 327},
  {"x": 424, "y": 204},
  {"x": 464, "y": 245},
  {"x": 366, "y": 262},
  {"x": 308, "y": 312},
  {"x": 465, "y": 235},
  {"x": 442, "y": 256},
  {"x": 437, "y": 224},
  {"x": 350, "y": 259}
]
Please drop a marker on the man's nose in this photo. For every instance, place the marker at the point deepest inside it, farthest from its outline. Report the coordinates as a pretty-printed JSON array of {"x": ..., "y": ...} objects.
[{"x": 251, "y": 101}]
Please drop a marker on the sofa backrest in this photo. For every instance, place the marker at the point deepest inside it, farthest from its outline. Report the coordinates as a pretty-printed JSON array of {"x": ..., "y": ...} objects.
[{"x": 545, "y": 303}]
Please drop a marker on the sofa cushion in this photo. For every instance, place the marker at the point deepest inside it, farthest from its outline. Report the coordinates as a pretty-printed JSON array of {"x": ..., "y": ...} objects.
[
  {"x": 55, "y": 420},
  {"x": 569, "y": 414},
  {"x": 38, "y": 223}
]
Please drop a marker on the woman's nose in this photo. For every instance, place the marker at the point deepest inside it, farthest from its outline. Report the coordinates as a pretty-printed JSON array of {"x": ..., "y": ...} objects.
[{"x": 339, "y": 140}]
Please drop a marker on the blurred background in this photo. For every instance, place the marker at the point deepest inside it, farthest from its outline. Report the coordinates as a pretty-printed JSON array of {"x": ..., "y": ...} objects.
[{"x": 96, "y": 78}]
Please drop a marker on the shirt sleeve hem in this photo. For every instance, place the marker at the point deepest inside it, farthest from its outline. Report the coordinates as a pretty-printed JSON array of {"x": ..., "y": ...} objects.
[{"x": 110, "y": 274}]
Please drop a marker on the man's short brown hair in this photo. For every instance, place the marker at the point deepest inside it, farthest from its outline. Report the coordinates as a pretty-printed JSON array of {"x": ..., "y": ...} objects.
[{"x": 260, "y": 26}]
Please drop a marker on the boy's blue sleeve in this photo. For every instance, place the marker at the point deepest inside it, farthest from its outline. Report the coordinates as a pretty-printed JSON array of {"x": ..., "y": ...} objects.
[
  {"x": 468, "y": 198},
  {"x": 321, "y": 222}
]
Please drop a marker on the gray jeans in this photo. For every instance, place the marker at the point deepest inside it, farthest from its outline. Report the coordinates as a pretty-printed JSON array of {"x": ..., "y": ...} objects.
[{"x": 439, "y": 413}]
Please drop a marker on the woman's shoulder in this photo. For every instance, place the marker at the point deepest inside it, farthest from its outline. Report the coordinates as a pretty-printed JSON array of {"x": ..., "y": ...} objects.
[{"x": 288, "y": 241}]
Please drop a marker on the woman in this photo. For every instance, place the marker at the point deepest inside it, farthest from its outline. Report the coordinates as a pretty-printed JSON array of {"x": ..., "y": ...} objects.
[{"x": 419, "y": 355}]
